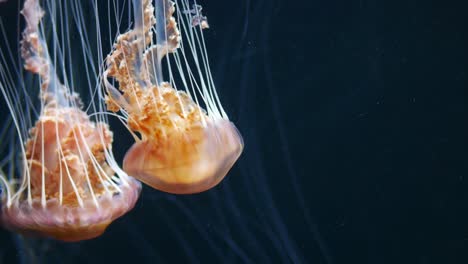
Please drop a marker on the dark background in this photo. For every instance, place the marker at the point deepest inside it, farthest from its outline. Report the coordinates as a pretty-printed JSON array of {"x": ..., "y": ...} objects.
[{"x": 354, "y": 119}]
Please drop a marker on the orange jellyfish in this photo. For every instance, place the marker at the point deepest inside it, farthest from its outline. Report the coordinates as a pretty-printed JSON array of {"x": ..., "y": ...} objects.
[
  {"x": 62, "y": 181},
  {"x": 181, "y": 148}
]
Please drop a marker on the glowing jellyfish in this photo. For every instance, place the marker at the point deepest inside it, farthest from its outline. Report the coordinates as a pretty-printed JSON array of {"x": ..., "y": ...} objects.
[
  {"x": 182, "y": 148},
  {"x": 66, "y": 184}
]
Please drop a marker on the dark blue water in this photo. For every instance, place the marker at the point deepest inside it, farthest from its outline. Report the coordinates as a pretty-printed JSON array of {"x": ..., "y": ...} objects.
[{"x": 354, "y": 119}]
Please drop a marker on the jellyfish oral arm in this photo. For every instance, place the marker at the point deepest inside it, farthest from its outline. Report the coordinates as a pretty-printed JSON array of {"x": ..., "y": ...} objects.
[{"x": 35, "y": 54}]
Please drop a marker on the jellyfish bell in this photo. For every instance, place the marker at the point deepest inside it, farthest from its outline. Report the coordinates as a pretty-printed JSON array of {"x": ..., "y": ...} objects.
[
  {"x": 61, "y": 179},
  {"x": 186, "y": 161},
  {"x": 181, "y": 148}
]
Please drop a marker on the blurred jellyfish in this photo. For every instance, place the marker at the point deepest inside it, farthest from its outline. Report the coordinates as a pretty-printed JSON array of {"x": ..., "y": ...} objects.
[
  {"x": 181, "y": 148},
  {"x": 59, "y": 177}
]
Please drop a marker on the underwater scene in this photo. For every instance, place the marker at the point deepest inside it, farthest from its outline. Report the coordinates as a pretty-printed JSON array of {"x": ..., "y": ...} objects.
[{"x": 267, "y": 131}]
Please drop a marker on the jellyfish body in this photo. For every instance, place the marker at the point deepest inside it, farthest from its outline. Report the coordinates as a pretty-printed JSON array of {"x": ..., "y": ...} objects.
[
  {"x": 182, "y": 148},
  {"x": 189, "y": 157},
  {"x": 66, "y": 196},
  {"x": 67, "y": 185}
]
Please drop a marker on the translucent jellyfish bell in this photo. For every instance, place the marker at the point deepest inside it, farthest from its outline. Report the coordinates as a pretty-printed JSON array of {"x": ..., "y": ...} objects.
[
  {"x": 181, "y": 148},
  {"x": 58, "y": 175}
]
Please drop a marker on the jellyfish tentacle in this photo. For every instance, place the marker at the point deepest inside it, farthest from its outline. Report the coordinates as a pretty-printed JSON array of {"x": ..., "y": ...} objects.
[
  {"x": 194, "y": 38},
  {"x": 115, "y": 98}
]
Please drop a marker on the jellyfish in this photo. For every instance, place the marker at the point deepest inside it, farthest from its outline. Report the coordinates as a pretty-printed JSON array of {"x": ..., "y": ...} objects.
[
  {"x": 180, "y": 147},
  {"x": 62, "y": 180}
]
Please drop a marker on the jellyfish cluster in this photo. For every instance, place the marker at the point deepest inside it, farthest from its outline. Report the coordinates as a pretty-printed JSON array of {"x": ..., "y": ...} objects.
[{"x": 58, "y": 175}]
